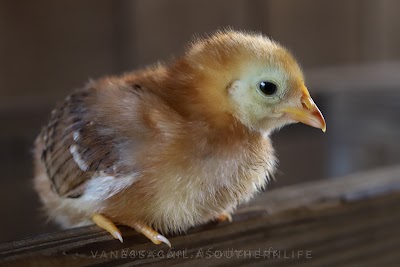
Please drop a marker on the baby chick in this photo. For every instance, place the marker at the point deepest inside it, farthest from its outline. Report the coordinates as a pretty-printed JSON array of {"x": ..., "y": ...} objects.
[{"x": 172, "y": 146}]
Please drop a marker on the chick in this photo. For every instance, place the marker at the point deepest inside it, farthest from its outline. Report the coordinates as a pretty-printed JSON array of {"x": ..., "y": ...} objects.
[{"x": 172, "y": 146}]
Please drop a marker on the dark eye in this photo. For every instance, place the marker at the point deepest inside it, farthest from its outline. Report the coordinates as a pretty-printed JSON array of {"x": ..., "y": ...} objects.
[{"x": 268, "y": 88}]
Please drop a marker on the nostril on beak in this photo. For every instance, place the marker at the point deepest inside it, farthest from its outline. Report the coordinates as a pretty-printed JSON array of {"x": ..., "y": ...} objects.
[{"x": 307, "y": 102}]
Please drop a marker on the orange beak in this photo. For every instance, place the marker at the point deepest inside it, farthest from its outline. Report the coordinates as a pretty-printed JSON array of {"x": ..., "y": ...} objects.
[{"x": 309, "y": 114}]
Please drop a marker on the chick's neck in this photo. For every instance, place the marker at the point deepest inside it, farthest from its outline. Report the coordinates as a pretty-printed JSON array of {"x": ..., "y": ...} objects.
[{"x": 200, "y": 97}]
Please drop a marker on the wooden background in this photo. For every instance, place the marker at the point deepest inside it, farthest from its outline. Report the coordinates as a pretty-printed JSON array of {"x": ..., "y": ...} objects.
[{"x": 47, "y": 48}]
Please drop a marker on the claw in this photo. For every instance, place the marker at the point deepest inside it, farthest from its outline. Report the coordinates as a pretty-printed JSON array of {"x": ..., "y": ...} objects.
[
  {"x": 117, "y": 235},
  {"x": 163, "y": 239},
  {"x": 106, "y": 224}
]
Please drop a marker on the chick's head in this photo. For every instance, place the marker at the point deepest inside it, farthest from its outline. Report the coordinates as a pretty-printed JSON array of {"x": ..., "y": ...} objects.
[{"x": 254, "y": 79}]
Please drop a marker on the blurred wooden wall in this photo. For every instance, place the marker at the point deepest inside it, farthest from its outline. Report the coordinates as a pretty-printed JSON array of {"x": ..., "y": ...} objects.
[{"x": 48, "y": 48}]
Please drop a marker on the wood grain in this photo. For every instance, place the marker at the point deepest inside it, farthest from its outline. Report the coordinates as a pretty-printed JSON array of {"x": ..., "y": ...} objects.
[{"x": 349, "y": 221}]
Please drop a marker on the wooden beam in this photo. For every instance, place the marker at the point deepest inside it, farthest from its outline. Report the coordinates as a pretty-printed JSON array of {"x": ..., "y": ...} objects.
[{"x": 349, "y": 221}]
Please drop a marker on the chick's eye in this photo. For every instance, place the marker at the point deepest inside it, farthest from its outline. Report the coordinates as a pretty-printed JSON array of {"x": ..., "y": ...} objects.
[{"x": 268, "y": 88}]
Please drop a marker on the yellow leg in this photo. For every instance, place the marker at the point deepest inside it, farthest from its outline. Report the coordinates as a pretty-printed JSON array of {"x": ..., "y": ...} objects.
[
  {"x": 150, "y": 233},
  {"x": 223, "y": 217},
  {"x": 107, "y": 225}
]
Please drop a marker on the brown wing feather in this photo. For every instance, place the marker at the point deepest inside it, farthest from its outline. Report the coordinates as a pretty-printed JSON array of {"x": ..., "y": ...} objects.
[
  {"x": 104, "y": 129},
  {"x": 75, "y": 148}
]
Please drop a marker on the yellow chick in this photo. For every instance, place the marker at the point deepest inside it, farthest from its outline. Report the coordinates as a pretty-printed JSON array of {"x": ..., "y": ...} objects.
[{"x": 172, "y": 146}]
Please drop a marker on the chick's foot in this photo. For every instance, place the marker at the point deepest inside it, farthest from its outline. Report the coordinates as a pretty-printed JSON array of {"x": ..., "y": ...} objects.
[
  {"x": 106, "y": 224},
  {"x": 223, "y": 217},
  {"x": 150, "y": 233}
]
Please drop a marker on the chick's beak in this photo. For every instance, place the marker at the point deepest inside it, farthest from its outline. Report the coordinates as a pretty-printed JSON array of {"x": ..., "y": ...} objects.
[{"x": 309, "y": 114}]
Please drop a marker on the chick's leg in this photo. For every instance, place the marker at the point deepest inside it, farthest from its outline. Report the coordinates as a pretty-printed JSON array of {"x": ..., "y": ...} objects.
[
  {"x": 150, "y": 233},
  {"x": 107, "y": 225}
]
